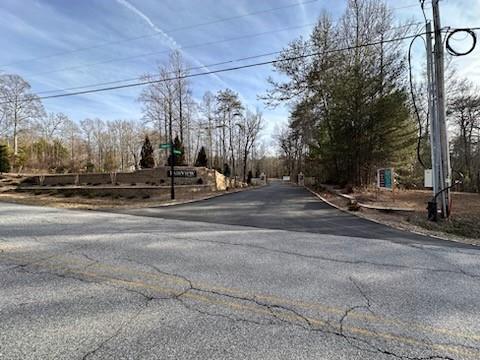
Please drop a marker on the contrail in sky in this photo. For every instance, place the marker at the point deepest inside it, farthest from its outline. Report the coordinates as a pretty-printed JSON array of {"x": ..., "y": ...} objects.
[{"x": 170, "y": 42}]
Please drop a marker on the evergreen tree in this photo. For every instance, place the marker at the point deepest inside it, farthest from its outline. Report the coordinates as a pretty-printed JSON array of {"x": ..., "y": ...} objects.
[
  {"x": 249, "y": 177},
  {"x": 226, "y": 170},
  {"x": 350, "y": 111},
  {"x": 4, "y": 161},
  {"x": 146, "y": 156},
  {"x": 201, "y": 158},
  {"x": 179, "y": 158}
]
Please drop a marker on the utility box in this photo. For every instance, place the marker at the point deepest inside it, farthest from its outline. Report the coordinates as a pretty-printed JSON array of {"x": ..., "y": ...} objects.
[{"x": 428, "y": 178}]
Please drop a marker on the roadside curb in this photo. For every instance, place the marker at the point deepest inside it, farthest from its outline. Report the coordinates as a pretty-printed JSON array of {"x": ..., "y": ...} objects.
[
  {"x": 386, "y": 224},
  {"x": 206, "y": 197},
  {"x": 362, "y": 205}
]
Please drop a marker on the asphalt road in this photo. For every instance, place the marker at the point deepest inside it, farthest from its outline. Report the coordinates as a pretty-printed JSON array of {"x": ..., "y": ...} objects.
[{"x": 270, "y": 273}]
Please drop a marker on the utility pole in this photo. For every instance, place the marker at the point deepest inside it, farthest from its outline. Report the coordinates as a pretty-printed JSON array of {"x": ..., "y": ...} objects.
[
  {"x": 434, "y": 134},
  {"x": 172, "y": 157},
  {"x": 444, "y": 173}
]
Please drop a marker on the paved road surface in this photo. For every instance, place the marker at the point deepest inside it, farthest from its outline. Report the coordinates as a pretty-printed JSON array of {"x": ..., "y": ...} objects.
[{"x": 270, "y": 273}]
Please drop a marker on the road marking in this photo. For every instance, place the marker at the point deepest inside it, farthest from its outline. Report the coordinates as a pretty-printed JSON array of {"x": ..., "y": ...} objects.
[
  {"x": 175, "y": 279},
  {"x": 460, "y": 349}
]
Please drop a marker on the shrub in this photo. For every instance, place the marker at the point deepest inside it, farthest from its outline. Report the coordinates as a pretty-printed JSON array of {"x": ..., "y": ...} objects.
[
  {"x": 4, "y": 160},
  {"x": 202, "y": 160}
]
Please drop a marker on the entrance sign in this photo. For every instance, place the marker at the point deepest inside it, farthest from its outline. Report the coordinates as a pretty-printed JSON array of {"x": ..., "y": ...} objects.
[
  {"x": 385, "y": 178},
  {"x": 183, "y": 173}
]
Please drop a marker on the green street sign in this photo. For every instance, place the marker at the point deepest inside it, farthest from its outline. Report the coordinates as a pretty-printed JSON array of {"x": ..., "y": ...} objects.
[
  {"x": 177, "y": 152},
  {"x": 165, "y": 146}
]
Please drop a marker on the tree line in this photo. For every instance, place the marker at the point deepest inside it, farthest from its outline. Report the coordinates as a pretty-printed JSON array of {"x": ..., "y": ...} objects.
[
  {"x": 351, "y": 110},
  {"x": 219, "y": 128}
]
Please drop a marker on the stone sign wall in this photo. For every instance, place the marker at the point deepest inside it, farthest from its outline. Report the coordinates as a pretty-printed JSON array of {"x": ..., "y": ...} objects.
[{"x": 157, "y": 176}]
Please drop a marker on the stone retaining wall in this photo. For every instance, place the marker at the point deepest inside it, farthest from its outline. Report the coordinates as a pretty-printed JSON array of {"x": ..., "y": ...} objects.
[
  {"x": 157, "y": 176},
  {"x": 120, "y": 191}
]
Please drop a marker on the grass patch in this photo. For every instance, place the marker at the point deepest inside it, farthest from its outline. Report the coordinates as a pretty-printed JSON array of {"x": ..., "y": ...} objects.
[{"x": 457, "y": 225}]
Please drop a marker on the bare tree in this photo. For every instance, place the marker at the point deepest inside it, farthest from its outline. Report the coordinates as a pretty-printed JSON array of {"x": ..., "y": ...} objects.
[
  {"x": 250, "y": 129},
  {"x": 20, "y": 106},
  {"x": 86, "y": 126},
  {"x": 51, "y": 125},
  {"x": 158, "y": 100},
  {"x": 71, "y": 134},
  {"x": 464, "y": 112},
  {"x": 178, "y": 68},
  {"x": 207, "y": 109},
  {"x": 229, "y": 108}
]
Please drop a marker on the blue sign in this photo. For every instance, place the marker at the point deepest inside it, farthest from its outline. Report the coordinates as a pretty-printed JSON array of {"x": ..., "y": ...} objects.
[{"x": 385, "y": 178}]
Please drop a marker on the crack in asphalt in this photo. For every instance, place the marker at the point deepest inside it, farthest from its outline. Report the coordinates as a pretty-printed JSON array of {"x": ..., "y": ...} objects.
[
  {"x": 343, "y": 261},
  {"x": 456, "y": 266},
  {"x": 24, "y": 264},
  {"x": 307, "y": 323},
  {"x": 273, "y": 309},
  {"x": 119, "y": 330}
]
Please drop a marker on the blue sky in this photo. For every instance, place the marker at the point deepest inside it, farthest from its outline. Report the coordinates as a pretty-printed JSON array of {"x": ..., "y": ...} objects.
[{"x": 46, "y": 29}]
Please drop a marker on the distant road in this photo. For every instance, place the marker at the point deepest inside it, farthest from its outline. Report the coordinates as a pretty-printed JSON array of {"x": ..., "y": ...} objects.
[
  {"x": 286, "y": 207},
  {"x": 269, "y": 273}
]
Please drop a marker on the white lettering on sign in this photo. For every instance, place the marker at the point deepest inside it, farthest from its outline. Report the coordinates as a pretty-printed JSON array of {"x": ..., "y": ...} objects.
[{"x": 183, "y": 173}]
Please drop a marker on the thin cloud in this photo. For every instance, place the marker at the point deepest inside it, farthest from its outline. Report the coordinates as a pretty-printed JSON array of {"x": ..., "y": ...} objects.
[{"x": 168, "y": 40}]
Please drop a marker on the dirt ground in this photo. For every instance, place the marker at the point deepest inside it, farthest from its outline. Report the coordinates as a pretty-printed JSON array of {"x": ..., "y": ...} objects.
[
  {"x": 462, "y": 203},
  {"x": 463, "y": 225},
  {"x": 9, "y": 182}
]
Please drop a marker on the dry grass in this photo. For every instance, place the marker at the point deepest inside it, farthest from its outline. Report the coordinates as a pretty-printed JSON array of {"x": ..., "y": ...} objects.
[
  {"x": 9, "y": 182},
  {"x": 463, "y": 226},
  {"x": 463, "y": 204}
]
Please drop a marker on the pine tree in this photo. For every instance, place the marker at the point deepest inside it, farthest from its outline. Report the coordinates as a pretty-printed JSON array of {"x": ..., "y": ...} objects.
[
  {"x": 146, "y": 156},
  {"x": 201, "y": 158},
  {"x": 226, "y": 170},
  {"x": 249, "y": 177},
  {"x": 179, "y": 158},
  {"x": 4, "y": 161}
]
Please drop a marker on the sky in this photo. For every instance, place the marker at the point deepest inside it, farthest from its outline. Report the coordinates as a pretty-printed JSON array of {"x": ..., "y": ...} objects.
[{"x": 59, "y": 44}]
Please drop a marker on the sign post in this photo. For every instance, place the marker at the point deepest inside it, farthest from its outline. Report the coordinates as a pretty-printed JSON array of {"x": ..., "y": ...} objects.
[{"x": 172, "y": 172}]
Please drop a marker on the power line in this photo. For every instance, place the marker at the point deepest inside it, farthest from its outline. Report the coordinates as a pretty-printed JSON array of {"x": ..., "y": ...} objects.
[
  {"x": 196, "y": 67},
  {"x": 270, "y": 62},
  {"x": 145, "y": 36},
  {"x": 192, "y": 46},
  {"x": 158, "y": 34},
  {"x": 414, "y": 102}
]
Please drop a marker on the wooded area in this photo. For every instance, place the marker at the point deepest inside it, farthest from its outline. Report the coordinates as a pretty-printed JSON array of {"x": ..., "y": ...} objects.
[
  {"x": 351, "y": 110},
  {"x": 37, "y": 141}
]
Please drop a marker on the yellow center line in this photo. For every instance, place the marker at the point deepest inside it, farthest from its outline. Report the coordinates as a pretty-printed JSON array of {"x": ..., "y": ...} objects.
[
  {"x": 257, "y": 309},
  {"x": 266, "y": 298}
]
